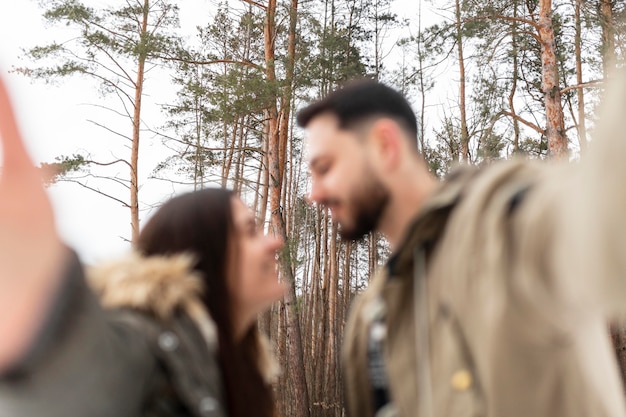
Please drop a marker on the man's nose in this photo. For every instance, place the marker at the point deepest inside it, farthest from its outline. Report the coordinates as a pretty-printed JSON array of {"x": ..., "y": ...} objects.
[{"x": 316, "y": 195}]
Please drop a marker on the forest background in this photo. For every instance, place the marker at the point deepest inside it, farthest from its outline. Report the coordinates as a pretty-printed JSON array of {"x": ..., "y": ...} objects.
[{"x": 129, "y": 102}]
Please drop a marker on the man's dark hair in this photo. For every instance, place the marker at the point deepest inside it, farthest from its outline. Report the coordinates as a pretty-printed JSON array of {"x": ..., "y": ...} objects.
[{"x": 358, "y": 100}]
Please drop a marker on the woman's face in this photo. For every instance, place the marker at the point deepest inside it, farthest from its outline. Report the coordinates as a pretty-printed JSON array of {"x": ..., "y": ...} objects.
[{"x": 254, "y": 283}]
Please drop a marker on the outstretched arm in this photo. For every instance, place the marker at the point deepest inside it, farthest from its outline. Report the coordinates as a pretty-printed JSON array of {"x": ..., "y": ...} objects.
[
  {"x": 31, "y": 252},
  {"x": 595, "y": 221}
]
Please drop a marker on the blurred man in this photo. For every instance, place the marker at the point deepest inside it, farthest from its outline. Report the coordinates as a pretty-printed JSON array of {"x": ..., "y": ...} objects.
[{"x": 492, "y": 303}]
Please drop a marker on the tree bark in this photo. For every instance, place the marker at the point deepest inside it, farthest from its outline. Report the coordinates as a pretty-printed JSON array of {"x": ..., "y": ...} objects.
[
  {"x": 582, "y": 127},
  {"x": 555, "y": 124},
  {"x": 462, "y": 107},
  {"x": 516, "y": 127},
  {"x": 294, "y": 337},
  {"x": 134, "y": 155},
  {"x": 609, "y": 58},
  {"x": 331, "y": 346}
]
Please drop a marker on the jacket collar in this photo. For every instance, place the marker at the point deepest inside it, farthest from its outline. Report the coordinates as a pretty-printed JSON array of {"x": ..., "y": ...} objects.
[
  {"x": 430, "y": 222},
  {"x": 157, "y": 285}
]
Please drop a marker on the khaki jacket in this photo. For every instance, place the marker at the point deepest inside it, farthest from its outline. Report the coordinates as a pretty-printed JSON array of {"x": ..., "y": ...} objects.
[
  {"x": 481, "y": 314},
  {"x": 136, "y": 342}
]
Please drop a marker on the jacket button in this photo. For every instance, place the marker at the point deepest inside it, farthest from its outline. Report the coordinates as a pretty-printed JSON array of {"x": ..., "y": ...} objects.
[
  {"x": 207, "y": 406},
  {"x": 461, "y": 380},
  {"x": 168, "y": 341}
]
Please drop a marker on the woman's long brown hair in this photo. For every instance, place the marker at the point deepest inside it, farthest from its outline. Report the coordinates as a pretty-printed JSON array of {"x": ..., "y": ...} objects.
[{"x": 201, "y": 223}]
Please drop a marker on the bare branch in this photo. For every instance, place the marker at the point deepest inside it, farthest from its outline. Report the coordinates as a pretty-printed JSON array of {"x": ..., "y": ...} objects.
[
  {"x": 216, "y": 61},
  {"x": 254, "y": 3},
  {"x": 525, "y": 122},
  {"x": 105, "y": 164},
  {"x": 205, "y": 148},
  {"x": 507, "y": 18},
  {"x": 109, "y": 129},
  {"x": 124, "y": 204},
  {"x": 594, "y": 84},
  {"x": 120, "y": 181}
]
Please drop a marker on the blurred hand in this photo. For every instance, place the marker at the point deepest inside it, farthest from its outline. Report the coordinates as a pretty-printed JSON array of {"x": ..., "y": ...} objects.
[{"x": 31, "y": 253}]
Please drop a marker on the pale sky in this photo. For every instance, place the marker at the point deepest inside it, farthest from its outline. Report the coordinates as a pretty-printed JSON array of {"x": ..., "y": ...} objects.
[{"x": 54, "y": 122}]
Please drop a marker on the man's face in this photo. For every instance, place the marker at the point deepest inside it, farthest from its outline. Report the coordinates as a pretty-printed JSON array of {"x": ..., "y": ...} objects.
[{"x": 342, "y": 177}]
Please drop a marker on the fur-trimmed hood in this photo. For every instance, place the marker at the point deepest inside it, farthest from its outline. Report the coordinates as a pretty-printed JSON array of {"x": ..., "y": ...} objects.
[{"x": 159, "y": 286}]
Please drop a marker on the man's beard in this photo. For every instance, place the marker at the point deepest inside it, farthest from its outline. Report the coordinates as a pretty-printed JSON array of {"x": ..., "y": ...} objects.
[{"x": 368, "y": 204}]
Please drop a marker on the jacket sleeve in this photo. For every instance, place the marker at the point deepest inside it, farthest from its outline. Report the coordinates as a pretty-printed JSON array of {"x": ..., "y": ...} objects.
[
  {"x": 580, "y": 220},
  {"x": 598, "y": 206},
  {"x": 580, "y": 217},
  {"x": 568, "y": 279},
  {"x": 81, "y": 363}
]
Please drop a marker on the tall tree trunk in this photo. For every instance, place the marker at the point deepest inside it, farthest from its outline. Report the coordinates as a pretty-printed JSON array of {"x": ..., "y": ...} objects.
[
  {"x": 323, "y": 54},
  {"x": 331, "y": 346},
  {"x": 265, "y": 319},
  {"x": 238, "y": 178},
  {"x": 285, "y": 105},
  {"x": 609, "y": 59},
  {"x": 229, "y": 149},
  {"x": 134, "y": 156},
  {"x": 422, "y": 88},
  {"x": 555, "y": 124},
  {"x": 259, "y": 189},
  {"x": 516, "y": 127},
  {"x": 347, "y": 278},
  {"x": 582, "y": 128},
  {"x": 198, "y": 162},
  {"x": 350, "y": 29},
  {"x": 316, "y": 273},
  {"x": 377, "y": 42},
  {"x": 281, "y": 341},
  {"x": 462, "y": 107},
  {"x": 285, "y": 109},
  {"x": 295, "y": 351},
  {"x": 265, "y": 175}
]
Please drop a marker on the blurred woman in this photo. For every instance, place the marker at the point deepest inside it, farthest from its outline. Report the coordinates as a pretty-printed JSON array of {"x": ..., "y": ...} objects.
[{"x": 169, "y": 330}]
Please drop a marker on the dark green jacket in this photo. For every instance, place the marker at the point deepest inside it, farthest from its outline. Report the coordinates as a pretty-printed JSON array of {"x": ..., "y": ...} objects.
[{"x": 143, "y": 347}]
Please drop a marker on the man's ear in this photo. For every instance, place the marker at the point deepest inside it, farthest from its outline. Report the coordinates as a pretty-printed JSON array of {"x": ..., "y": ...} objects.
[{"x": 388, "y": 143}]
